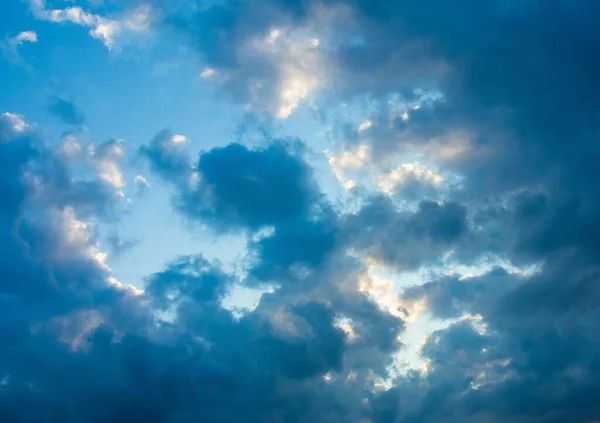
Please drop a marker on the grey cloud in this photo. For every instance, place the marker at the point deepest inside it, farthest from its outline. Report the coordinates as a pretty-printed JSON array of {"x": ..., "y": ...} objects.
[
  {"x": 407, "y": 239},
  {"x": 236, "y": 187}
]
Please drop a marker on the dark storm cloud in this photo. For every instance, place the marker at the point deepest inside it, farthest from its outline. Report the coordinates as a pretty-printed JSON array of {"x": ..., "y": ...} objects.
[{"x": 65, "y": 110}]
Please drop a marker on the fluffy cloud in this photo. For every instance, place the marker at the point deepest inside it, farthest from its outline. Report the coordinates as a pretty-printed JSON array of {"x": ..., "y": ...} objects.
[
  {"x": 269, "y": 64},
  {"x": 235, "y": 187},
  {"x": 426, "y": 234}
]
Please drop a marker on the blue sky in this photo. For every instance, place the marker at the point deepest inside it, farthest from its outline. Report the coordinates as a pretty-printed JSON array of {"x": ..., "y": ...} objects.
[{"x": 299, "y": 211}]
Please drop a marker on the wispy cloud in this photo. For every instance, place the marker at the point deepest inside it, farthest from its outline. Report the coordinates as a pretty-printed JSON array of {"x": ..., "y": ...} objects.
[
  {"x": 112, "y": 32},
  {"x": 10, "y": 47}
]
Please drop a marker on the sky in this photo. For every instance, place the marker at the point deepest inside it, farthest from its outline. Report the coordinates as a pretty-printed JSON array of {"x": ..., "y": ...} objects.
[{"x": 299, "y": 211}]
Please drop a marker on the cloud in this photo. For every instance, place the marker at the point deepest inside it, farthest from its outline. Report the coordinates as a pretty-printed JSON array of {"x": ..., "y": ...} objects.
[
  {"x": 65, "y": 110},
  {"x": 357, "y": 167},
  {"x": 501, "y": 95},
  {"x": 270, "y": 64},
  {"x": 24, "y": 37},
  {"x": 175, "y": 335},
  {"x": 10, "y": 46},
  {"x": 68, "y": 315},
  {"x": 141, "y": 184},
  {"x": 49, "y": 248},
  {"x": 111, "y": 32},
  {"x": 427, "y": 234},
  {"x": 99, "y": 191},
  {"x": 235, "y": 187},
  {"x": 12, "y": 125},
  {"x": 168, "y": 158},
  {"x": 295, "y": 244},
  {"x": 107, "y": 158}
]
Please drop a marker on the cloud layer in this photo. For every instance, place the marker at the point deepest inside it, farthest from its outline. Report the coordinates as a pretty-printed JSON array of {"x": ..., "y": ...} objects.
[{"x": 464, "y": 137}]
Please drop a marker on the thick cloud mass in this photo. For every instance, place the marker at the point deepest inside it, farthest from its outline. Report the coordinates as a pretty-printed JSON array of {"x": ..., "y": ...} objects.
[
  {"x": 235, "y": 187},
  {"x": 407, "y": 239},
  {"x": 500, "y": 95},
  {"x": 255, "y": 188}
]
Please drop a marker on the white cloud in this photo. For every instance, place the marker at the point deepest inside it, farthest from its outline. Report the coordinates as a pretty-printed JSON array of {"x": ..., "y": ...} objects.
[
  {"x": 207, "y": 73},
  {"x": 110, "y": 172},
  {"x": 75, "y": 239},
  {"x": 283, "y": 64},
  {"x": 301, "y": 70},
  {"x": 278, "y": 69},
  {"x": 355, "y": 158},
  {"x": 104, "y": 160},
  {"x": 25, "y": 36},
  {"x": 108, "y": 31},
  {"x": 365, "y": 125},
  {"x": 382, "y": 291},
  {"x": 273, "y": 35},
  {"x": 70, "y": 146},
  {"x": 141, "y": 184},
  {"x": 349, "y": 161},
  {"x": 141, "y": 181},
  {"x": 349, "y": 184},
  {"x": 10, "y": 46},
  {"x": 406, "y": 172},
  {"x": 130, "y": 289},
  {"x": 178, "y": 139},
  {"x": 356, "y": 166},
  {"x": 12, "y": 124}
]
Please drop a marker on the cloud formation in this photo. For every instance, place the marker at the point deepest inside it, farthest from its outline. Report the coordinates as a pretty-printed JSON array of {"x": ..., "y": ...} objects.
[
  {"x": 234, "y": 187},
  {"x": 110, "y": 31},
  {"x": 464, "y": 137},
  {"x": 11, "y": 45},
  {"x": 65, "y": 110}
]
